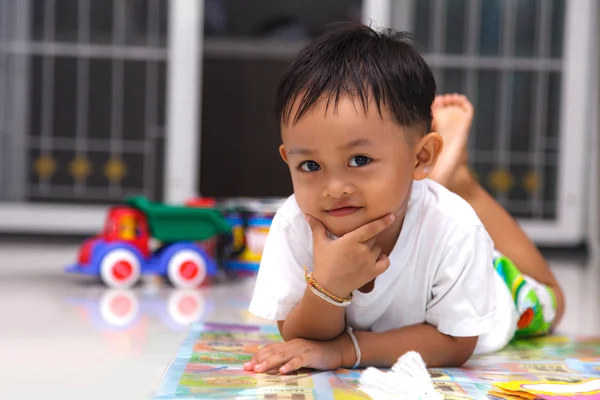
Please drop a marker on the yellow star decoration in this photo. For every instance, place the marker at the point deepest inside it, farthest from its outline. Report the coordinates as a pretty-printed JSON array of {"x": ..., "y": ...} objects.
[
  {"x": 80, "y": 168},
  {"x": 531, "y": 182},
  {"x": 115, "y": 170},
  {"x": 45, "y": 167},
  {"x": 501, "y": 180}
]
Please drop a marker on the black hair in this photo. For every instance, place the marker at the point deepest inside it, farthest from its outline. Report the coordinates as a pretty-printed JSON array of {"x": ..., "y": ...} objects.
[{"x": 353, "y": 59}]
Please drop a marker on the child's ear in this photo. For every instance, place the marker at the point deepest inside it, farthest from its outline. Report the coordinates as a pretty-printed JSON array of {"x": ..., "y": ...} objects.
[
  {"x": 283, "y": 153},
  {"x": 427, "y": 152}
]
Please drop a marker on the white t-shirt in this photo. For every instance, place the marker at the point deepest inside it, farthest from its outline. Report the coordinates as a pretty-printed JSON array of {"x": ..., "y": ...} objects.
[{"x": 440, "y": 272}]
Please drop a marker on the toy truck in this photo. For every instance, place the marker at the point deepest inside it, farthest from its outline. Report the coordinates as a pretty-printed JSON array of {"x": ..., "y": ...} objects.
[{"x": 122, "y": 252}]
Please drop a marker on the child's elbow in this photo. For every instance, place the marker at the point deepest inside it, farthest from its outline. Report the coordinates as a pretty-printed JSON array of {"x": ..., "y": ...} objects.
[
  {"x": 463, "y": 350},
  {"x": 319, "y": 334}
]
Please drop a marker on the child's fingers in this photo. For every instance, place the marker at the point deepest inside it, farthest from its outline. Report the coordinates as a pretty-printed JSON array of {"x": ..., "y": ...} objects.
[
  {"x": 376, "y": 252},
  {"x": 249, "y": 366},
  {"x": 382, "y": 264},
  {"x": 319, "y": 232},
  {"x": 369, "y": 231},
  {"x": 260, "y": 355},
  {"x": 274, "y": 360},
  {"x": 294, "y": 364}
]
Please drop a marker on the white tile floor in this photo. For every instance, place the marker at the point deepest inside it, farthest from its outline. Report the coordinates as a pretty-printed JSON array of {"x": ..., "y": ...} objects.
[{"x": 65, "y": 337}]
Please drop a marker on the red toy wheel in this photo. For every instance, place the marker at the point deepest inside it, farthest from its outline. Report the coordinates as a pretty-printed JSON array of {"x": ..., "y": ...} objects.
[
  {"x": 186, "y": 269},
  {"x": 120, "y": 269}
]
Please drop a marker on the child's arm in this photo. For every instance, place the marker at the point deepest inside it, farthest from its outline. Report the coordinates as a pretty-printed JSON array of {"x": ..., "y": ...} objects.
[
  {"x": 313, "y": 318},
  {"x": 341, "y": 266},
  {"x": 377, "y": 350},
  {"x": 461, "y": 307},
  {"x": 509, "y": 238},
  {"x": 383, "y": 349}
]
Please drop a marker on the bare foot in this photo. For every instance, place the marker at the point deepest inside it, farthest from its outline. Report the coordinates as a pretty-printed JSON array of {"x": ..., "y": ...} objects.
[{"x": 452, "y": 117}]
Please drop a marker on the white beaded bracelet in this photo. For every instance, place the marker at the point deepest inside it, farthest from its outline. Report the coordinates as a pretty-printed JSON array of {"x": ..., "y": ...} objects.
[
  {"x": 328, "y": 299},
  {"x": 356, "y": 347}
]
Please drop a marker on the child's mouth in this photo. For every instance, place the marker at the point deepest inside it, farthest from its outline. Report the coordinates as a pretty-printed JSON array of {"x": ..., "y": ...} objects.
[{"x": 343, "y": 211}]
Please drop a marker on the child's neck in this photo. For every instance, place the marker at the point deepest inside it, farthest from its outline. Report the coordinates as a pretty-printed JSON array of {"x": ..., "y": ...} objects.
[
  {"x": 388, "y": 238},
  {"x": 387, "y": 241}
]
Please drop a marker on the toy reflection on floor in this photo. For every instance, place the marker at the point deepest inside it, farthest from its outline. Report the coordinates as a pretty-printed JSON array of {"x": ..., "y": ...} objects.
[
  {"x": 126, "y": 311},
  {"x": 209, "y": 365},
  {"x": 182, "y": 243}
]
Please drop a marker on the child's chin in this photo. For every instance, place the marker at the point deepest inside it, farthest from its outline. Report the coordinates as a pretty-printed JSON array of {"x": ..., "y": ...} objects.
[{"x": 339, "y": 228}]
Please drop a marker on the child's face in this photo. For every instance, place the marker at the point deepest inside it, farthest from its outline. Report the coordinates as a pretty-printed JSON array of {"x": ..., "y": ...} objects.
[{"x": 349, "y": 167}]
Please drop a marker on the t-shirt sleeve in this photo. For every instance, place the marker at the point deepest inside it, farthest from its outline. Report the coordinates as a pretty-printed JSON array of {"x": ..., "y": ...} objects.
[
  {"x": 463, "y": 291},
  {"x": 280, "y": 281}
]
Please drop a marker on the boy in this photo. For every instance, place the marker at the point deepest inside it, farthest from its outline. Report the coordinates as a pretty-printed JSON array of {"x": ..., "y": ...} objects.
[{"x": 370, "y": 258}]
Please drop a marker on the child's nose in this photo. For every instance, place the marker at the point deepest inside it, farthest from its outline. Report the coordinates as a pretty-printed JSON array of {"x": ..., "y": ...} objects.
[{"x": 337, "y": 188}]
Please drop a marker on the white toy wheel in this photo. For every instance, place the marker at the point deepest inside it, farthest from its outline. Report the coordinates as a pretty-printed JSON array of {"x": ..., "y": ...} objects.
[
  {"x": 119, "y": 308},
  {"x": 186, "y": 269},
  {"x": 120, "y": 269},
  {"x": 186, "y": 306}
]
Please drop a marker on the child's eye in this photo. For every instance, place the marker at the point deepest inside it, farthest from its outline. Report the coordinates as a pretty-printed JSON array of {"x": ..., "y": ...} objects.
[
  {"x": 310, "y": 166},
  {"x": 359, "y": 161}
]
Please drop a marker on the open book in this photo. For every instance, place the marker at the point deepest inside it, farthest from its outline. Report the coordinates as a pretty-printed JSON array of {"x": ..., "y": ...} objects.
[{"x": 586, "y": 389}]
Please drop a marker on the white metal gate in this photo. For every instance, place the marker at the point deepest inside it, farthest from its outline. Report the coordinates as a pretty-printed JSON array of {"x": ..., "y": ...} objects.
[
  {"x": 527, "y": 66},
  {"x": 526, "y": 80},
  {"x": 84, "y": 111}
]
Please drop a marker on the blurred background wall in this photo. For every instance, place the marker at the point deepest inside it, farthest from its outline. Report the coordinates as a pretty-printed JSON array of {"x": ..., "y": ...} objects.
[{"x": 95, "y": 101}]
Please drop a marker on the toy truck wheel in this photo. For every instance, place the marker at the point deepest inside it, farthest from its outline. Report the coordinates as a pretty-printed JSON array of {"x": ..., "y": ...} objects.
[
  {"x": 186, "y": 269},
  {"x": 120, "y": 269}
]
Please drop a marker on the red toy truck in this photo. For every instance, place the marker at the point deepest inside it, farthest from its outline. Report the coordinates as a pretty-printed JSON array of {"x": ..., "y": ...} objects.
[{"x": 121, "y": 253}]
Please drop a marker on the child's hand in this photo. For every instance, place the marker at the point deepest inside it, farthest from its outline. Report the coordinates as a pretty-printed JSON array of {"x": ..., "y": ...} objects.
[
  {"x": 300, "y": 353},
  {"x": 350, "y": 262}
]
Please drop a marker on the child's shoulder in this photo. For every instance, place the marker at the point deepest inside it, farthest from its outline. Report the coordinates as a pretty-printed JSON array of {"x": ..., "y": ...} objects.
[
  {"x": 443, "y": 209},
  {"x": 443, "y": 223},
  {"x": 290, "y": 211},
  {"x": 289, "y": 222}
]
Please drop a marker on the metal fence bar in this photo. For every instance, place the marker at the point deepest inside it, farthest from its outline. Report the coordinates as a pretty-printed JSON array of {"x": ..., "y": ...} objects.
[
  {"x": 493, "y": 63},
  {"x": 540, "y": 107},
  {"x": 116, "y": 124},
  {"x": 184, "y": 77},
  {"x": 47, "y": 119},
  {"x": 524, "y": 207},
  {"x": 516, "y": 157},
  {"x": 83, "y": 93},
  {"x": 502, "y": 157},
  {"x": 16, "y": 155},
  {"x": 151, "y": 100},
  {"x": 52, "y": 48},
  {"x": 97, "y": 145},
  {"x": 438, "y": 22},
  {"x": 472, "y": 40},
  {"x": 4, "y": 71},
  {"x": 64, "y": 192}
]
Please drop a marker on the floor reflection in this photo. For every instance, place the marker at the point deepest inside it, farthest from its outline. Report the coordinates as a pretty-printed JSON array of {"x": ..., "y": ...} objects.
[{"x": 124, "y": 310}]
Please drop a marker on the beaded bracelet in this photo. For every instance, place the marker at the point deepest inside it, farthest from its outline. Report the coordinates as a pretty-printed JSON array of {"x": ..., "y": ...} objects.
[
  {"x": 327, "y": 299},
  {"x": 310, "y": 280}
]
